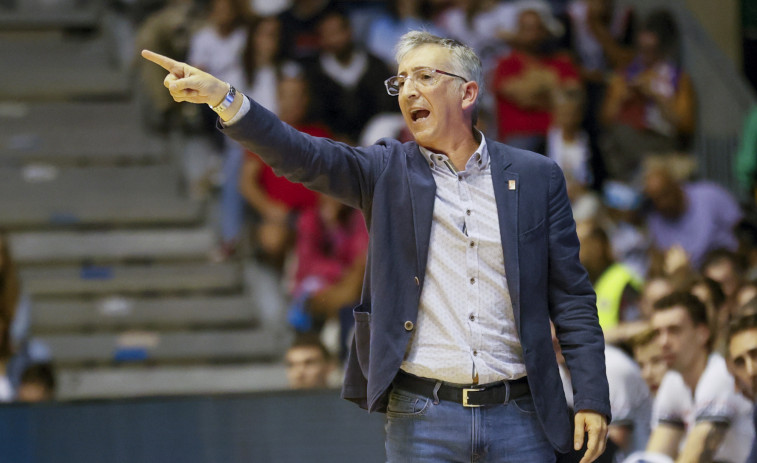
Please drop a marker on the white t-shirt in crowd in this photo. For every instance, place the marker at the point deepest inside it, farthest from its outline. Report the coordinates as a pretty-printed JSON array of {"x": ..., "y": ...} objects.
[
  {"x": 630, "y": 400},
  {"x": 715, "y": 399},
  {"x": 220, "y": 56}
]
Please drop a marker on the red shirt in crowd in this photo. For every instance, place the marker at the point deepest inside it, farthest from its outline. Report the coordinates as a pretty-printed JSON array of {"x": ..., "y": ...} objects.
[{"x": 514, "y": 120}]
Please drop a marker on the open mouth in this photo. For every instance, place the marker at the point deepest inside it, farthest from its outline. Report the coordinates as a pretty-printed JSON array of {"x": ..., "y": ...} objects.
[{"x": 419, "y": 114}]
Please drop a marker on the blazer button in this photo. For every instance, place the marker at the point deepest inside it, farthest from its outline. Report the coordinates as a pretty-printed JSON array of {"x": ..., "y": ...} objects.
[
  {"x": 409, "y": 326},
  {"x": 417, "y": 281}
]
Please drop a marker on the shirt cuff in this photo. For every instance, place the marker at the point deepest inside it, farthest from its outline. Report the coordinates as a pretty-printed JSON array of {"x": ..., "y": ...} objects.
[{"x": 244, "y": 109}]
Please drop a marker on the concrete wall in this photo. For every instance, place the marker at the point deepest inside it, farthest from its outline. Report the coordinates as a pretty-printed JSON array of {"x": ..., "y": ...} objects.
[{"x": 721, "y": 20}]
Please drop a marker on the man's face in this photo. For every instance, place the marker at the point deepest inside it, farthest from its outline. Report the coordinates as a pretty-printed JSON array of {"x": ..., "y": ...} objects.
[
  {"x": 33, "y": 392},
  {"x": 431, "y": 113},
  {"x": 653, "y": 366},
  {"x": 306, "y": 368},
  {"x": 666, "y": 195},
  {"x": 531, "y": 30},
  {"x": 679, "y": 338},
  {"x": 335, "y": 35},
  {"x": 743, "y": 352}
]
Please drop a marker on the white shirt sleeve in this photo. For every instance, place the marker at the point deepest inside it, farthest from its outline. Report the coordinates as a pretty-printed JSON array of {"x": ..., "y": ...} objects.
[
  {"x": 244, "y": 109},
  {"x": 670, "y": 405}
]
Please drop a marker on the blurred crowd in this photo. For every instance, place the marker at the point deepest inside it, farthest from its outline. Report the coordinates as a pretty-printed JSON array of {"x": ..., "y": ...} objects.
[{"x": 593, "y": 85}]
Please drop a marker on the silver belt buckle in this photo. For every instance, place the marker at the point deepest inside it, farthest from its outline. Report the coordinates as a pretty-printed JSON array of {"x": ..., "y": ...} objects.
[{"x": 465, "y": 396}]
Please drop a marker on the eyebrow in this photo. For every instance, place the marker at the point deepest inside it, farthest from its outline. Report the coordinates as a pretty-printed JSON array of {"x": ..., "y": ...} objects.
[{"x": 415, "y": 69}]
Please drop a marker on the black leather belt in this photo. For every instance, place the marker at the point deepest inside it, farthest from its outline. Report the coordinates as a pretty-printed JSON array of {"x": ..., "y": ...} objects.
[{"x": 473, "y": 396}]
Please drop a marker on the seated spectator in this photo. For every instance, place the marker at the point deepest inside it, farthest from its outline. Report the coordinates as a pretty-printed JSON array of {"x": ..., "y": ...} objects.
[
  {"x": 350, "y": 81},
  {"x": 484, "y": 25},
  {"x": 742, "y": 350},
  {"x": 726, "y": 268},
  {"x": 332, "y": 241},
  {"x": 264, "y": 65},
  {"x": 626, "y": 228},
  {"x": 710, "y": 292},
  {"x": 386, "y": 29},
  {"x": 697, "y": 413},
  {"x": 6, "y": 386},
  {"x": 601, "y": 34},
  {"x": 630, "y": 402},
  {"x": 37, "y": 384},
  {"x": 308, "y": 363},
  {"x": 617, "y": 287},
  {"x": 166, "y": 31},
  {"x": 569, "y": 146},
  {"x": 275, "y": 200},
  {"x": 217, "y": 48},
  {"x": 650, "y": 105},
  {"x": 697, "y": 216},
  {"x": 299, "y": 23},
  {"x": 746, "y": 234},
  {"x": 746, "y": 293},
  {"x": 648, "y": 355},
  {"x": 526, "y": 80},
  {"x": 15, "y": 309}
]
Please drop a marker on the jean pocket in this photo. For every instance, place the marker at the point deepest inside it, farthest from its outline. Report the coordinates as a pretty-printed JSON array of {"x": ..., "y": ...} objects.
[
  {"x": 402, "y": 403},
  {"x": 524, "y": 405}
]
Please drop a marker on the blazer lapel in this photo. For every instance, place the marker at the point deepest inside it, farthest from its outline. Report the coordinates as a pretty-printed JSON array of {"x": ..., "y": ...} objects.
[
  {"x": 422, "y": 196},
  {"x": 506, "y": 191}
]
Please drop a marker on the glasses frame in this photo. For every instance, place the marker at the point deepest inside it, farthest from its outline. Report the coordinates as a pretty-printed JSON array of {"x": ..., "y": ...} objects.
[{"x": 437, "y": 71}]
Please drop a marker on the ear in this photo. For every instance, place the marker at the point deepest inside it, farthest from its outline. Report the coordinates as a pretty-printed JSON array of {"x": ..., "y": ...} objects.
[
  {"x": 470, "y": 95},
  {"x": 703, "y": 334}
]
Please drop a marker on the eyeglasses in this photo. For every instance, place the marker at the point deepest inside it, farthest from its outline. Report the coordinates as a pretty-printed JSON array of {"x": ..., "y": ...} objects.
[{"x": 425, "y": 77}]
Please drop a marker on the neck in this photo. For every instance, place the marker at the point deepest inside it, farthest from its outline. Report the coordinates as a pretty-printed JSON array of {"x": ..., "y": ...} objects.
[
  {"x": 459, "y": 149},
  {"x": 569, "y": 134},
  {"x": 344, "y": 56},
  {"x": 694, "y": 371}
]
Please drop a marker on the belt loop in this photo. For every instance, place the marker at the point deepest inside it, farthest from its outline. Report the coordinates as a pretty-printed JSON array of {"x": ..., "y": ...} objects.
[
  {"x": 436, "y": 392},
  {"x": 507, "y": 392}
]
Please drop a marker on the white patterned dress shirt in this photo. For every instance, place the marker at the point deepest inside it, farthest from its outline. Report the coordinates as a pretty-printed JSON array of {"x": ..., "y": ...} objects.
[{"x": 465, "y": 331}]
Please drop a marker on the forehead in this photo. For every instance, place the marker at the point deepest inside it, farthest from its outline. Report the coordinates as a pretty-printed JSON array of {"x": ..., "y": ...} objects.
[
  {"x": 303, "y": 353},
  {"x": 427, "y": 55},
  {"x": 674, "y": 316},
  {"x": 743, "y": 342},
  {"x": 647, "y": 351}
]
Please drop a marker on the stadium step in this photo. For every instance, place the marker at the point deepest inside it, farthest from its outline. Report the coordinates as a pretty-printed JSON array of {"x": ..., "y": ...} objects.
[
  {"x": 100, "y": 280},
  {"x": 76, "y": 133},
  {"x": 173, "y": 347},
  {"x": 165, "y": 313},
  {"x": 111, "y": 246},
  {"x": 47, "y": 196},
  {"x": 136, "y": 381}
]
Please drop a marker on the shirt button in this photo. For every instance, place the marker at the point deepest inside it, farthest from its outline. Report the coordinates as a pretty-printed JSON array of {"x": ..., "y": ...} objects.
[
  {"x": 472, "y": 244},
  {"x": 431, "y": 164},
  {"x": 409, "y": 326},
  {"x": 475, "y": 352},
  {"x": 472, "y": 318},
  {"x": 467, "y": 212},
  {"x": 417, "y": 281},
  {"x": 441, "y": 158},
  {"x": 472, "y": 281}
]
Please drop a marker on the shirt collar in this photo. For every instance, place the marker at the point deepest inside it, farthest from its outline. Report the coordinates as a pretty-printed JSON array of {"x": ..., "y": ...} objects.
[{"x": 479, "y": 161}]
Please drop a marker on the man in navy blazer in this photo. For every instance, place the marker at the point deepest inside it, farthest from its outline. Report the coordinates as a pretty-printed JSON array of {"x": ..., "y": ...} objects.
[{"x": 400, "y": 188}]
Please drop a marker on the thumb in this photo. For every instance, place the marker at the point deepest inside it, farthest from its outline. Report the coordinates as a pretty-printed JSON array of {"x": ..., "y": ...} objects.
[{"x": 579, "y": 432}]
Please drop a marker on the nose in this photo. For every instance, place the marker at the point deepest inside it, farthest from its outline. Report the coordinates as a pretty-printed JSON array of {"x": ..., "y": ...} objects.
[{"x": 409, "y": 89}]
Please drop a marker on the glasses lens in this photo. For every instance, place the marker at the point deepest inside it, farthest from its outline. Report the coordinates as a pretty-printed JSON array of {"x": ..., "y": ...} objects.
[
  {"x": 425, "y": 77},
  {"x": 392, "y": 85}
]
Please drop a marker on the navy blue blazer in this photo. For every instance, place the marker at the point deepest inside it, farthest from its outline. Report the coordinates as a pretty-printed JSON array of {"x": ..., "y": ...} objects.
[{"x": 391, "y": 183}]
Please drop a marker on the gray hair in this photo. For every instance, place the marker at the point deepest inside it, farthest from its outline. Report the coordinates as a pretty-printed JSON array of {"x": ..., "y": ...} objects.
[{"x": 464, "y": 61}]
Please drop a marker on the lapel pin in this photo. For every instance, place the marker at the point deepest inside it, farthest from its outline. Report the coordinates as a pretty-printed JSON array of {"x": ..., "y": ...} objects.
[{"x": 511, "y": 184}]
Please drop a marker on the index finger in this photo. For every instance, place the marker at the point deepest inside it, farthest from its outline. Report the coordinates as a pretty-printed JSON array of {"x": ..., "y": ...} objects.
[{"x": 163, "y": 61}]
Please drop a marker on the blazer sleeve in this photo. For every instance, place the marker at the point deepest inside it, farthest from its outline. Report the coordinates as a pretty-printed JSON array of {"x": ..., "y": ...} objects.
[
  {"x": 336, "y": 169},
  {"x": 572, "y": 305}
]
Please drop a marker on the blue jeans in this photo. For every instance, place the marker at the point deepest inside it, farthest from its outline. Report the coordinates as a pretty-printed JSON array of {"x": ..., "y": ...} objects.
[{"x": 419, "y": 430}]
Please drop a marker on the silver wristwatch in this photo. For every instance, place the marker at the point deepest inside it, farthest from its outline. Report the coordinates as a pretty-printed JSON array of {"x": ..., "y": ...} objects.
[{"x": 226, "y": 102}]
